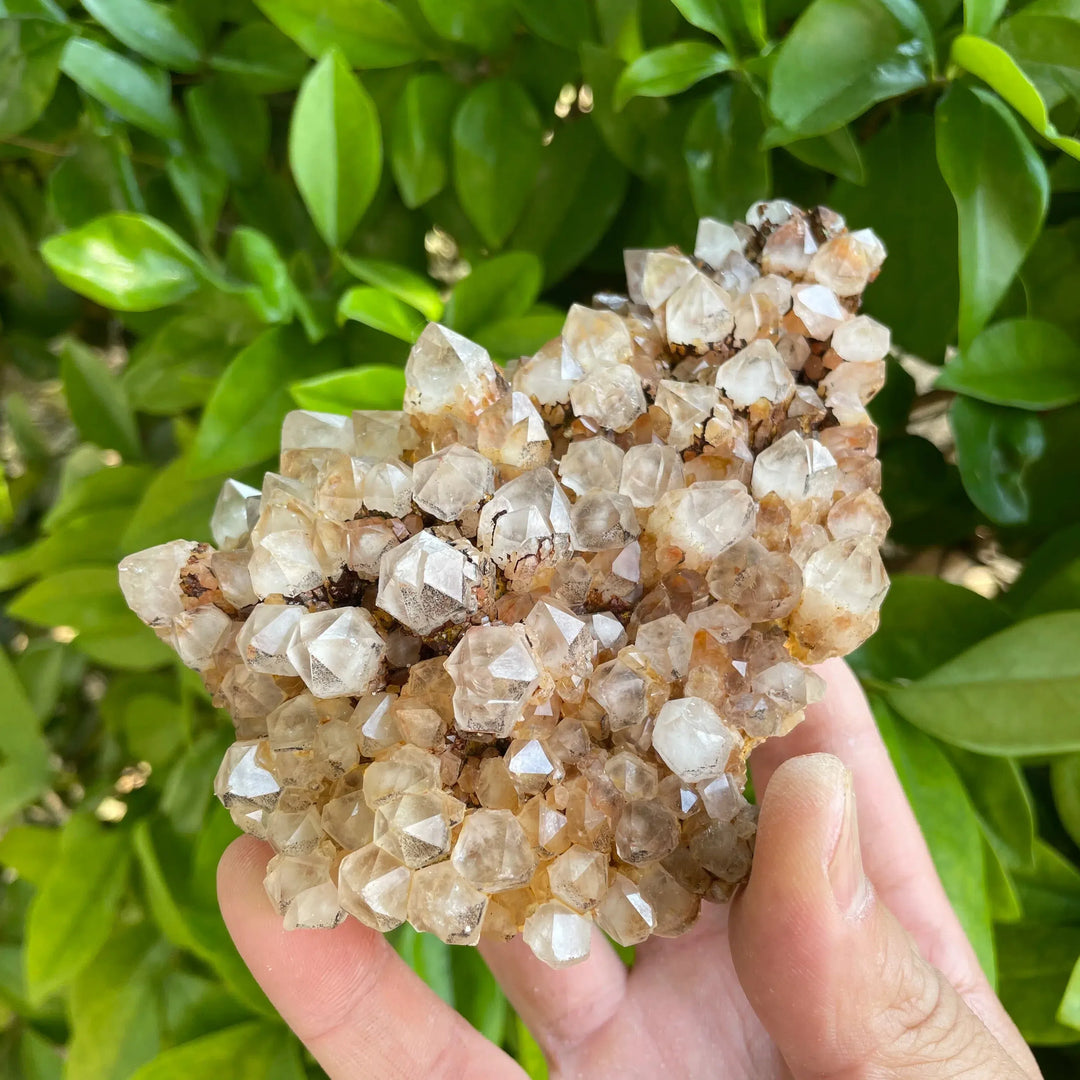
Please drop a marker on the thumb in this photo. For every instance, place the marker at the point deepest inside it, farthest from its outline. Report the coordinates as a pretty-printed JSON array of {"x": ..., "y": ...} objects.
[{"x": 833, "y": 976}]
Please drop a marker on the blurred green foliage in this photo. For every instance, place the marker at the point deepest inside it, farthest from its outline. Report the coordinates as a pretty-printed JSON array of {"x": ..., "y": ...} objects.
[{"x": 212, "y": 211}]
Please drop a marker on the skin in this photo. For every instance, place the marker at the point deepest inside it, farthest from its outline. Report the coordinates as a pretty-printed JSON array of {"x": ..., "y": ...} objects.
[{"x": 841, "y": 959}]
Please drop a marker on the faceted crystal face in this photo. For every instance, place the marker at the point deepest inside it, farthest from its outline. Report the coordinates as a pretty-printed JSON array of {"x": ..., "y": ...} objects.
[
  {"x": 494, "y": 671},
  {"x": 427, "y": 582},
  {"x": 447, "y": 373},
  {"x": 496, "y": 661},
  {"x": 337, "y": 652},
  {"x": 452, "y": 481}
]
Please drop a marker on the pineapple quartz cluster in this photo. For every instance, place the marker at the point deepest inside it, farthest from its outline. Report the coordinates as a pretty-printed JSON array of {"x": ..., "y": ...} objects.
[{"x": 496, "y": 661}]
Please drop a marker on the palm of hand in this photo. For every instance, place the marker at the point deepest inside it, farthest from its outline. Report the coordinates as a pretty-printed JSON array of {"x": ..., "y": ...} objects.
[{"x": 814, "y": 971}]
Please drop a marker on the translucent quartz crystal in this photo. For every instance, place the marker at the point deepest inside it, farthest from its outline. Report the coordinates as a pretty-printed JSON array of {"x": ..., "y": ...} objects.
[
  {"x": 337, "y": 652},
  {"x": 427, "y": 582},
  {"x": 447, "y": 373},
  {"x": 494, "y": 671},
  {"x": 496, "y": 661},
  {"x": 452, "y": 481}
]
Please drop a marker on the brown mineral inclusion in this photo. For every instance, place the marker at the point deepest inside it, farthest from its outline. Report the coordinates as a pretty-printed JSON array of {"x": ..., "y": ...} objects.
[{"x": 496, "y": 661}]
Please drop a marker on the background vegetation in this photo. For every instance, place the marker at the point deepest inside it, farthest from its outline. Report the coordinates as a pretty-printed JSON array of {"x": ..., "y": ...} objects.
[{"x": 212, "y": 211}]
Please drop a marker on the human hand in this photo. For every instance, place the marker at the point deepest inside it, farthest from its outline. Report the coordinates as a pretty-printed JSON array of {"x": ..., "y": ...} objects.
[{"x": 816, "y": 970}]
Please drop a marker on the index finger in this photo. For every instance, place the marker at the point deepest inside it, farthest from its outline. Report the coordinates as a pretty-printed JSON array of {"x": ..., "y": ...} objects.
[{"x": 345, "y": 992}]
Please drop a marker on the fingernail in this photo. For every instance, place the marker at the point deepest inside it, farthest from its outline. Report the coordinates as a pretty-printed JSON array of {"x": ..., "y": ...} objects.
[{"x": 845, "y": 869}]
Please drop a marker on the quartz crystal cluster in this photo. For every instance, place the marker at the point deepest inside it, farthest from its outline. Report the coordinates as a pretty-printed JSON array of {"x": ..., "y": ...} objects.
[{"x": 496, "y": 661}]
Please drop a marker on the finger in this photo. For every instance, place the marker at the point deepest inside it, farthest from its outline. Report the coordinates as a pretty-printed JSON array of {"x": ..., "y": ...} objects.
[
  {"x": 346, "y": 993},
  {"x": 839, "y": 984},
  {"x": 898, "y": 861},
  {"x": 561, "y": 1008}
]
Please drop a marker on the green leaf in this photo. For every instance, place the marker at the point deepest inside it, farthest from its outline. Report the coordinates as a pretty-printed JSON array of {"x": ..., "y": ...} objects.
[
  {"x": 577, "y": 194},
  {"x": 1049, "y": 889},
  {"x": 670, "y": 70},
  {"x": 260, "y": 57},
  {"x": 997, "y": 69},
  {"x": 482, "y": 24},
  {"x": 1065, "y": 781},
  {"x": 126, "y": 261},
  {"x": 842, "y": 56},
  {"x": 137, "y": 94},
  {"x": 1049, "y": 272},
  {"x": 73, "y": 912},
  {"x": 924, "y": 623},
  {"x": 253, "y": 1051},
  {"x": 176, "y": 503},
  {"x": 201, "y": 188},
  {"x": 1001, "y": 191},
  {"x": 909, "y": 206},
  {"x": 416, "y": 291},
  {"x": 527, "y": 1052},
  {"x": 501, "y": 288},
  {"x": 726, "y": 165},
  {"x": 382, "y": 311},
  {"x": 335, "y": 148},
  {"x": 25, "y": 769},
  {"x": 713, "y": 16},
  {"x": 1044, "y": 39},
  {"x": 241, "y": 424},
  {"x": 996, "y": 448},
  {"x": 114, "y": 1011},
  {"x": 980, "y": 15},
  {"x": 477, "y": 995},
  {"x": 948, "y": 823},
  {"x": 370, "y": 33},
  {"x": 162, "y": 33},
  {"x": 420, "y": 136},
  {"x": 836, "y": 153},
  {"x": 253, "y": 257},
  {"x": 87, "y": 599},
  {"x": 1035, "y": 962},
  {"x": 1050, "y": 581},
  {"x": 429, "y": 958},
  {"x": 232, "y": 124},
  {"x": 1003, "y": 801},
  {"x": 509, "y": 339},
  {"x": 97, "y": 400},
  {"x": 496, "y": 140},
  {"x": 562, "y": 22},
  {"x": 29, "y": 67},
  {"x": 1023, "y": 362},
  {"x": 30, "y": 850},
  {"x": 370, "y": 386},
  {"x": 1068, "y": 1011},
  {"x": 1017, "y": 692}
]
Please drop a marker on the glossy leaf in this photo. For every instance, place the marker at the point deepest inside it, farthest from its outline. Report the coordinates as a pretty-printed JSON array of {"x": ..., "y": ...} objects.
[
  {"x": 74, "y": 910},
  {"x": 201, "y": 188},
  {"x": 175, "y": 503},
  {"x": 1013, "y": 693},
  {"x": 140, "y": 95},
  {"x": 1035, "y": 962},
  {"x": 1023, "y": 362},
  {"x": 96, "y": 398},
  {"x": 233, "y": 126},
  {"x": 509, "y": 339},
  {"x": 241, "y": 424},
  {"x": 260, "y": 57},
  {"x": 253, "y": 257},
  {"x": 496, "y": 143},
  {"x": 1065, "y": 778},
  {"x": 29, "y": 67},
  {"x": 842, "y": 56},
  {"x": 482, "y": 24},
  {"x": 669, "y": 70},
  {"x": 416, "y": 291},
  {"x": 1001, "y": 191},
  {"x": 501, "y": 288},
  {"x": 1050, "y": 581},
  {"x": 335, "y": 148},
  {"x": 420, "y": 136},
  {"x": 997, "y": 69},
  {"x": 836, "y": 153},
  {"x": 948, "y": 822},
  {"x": 369, "y": 33},
  {"x": 925, "y": 622},
  {"x": 727, "y": 167},
  {"x": 729, "y": 20},
  {"x": 127, "y": 261},
  {"x": 996, "y": 448},
  {"x": 25, "y": 768},
  {"x": 980, "y": 15},
  {"x": 162, "y": 33},
  {"x": 369, "y": 386},
  {"x": 257, "y": 1048},
  {"x": 381, "y": 310},
  {"x": 562, "y": 22},
  {"x": 1043, "y": 38}
]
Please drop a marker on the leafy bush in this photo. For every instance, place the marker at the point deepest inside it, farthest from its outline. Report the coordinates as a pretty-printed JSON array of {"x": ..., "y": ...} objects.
[{"x": 212, "y": 211}]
